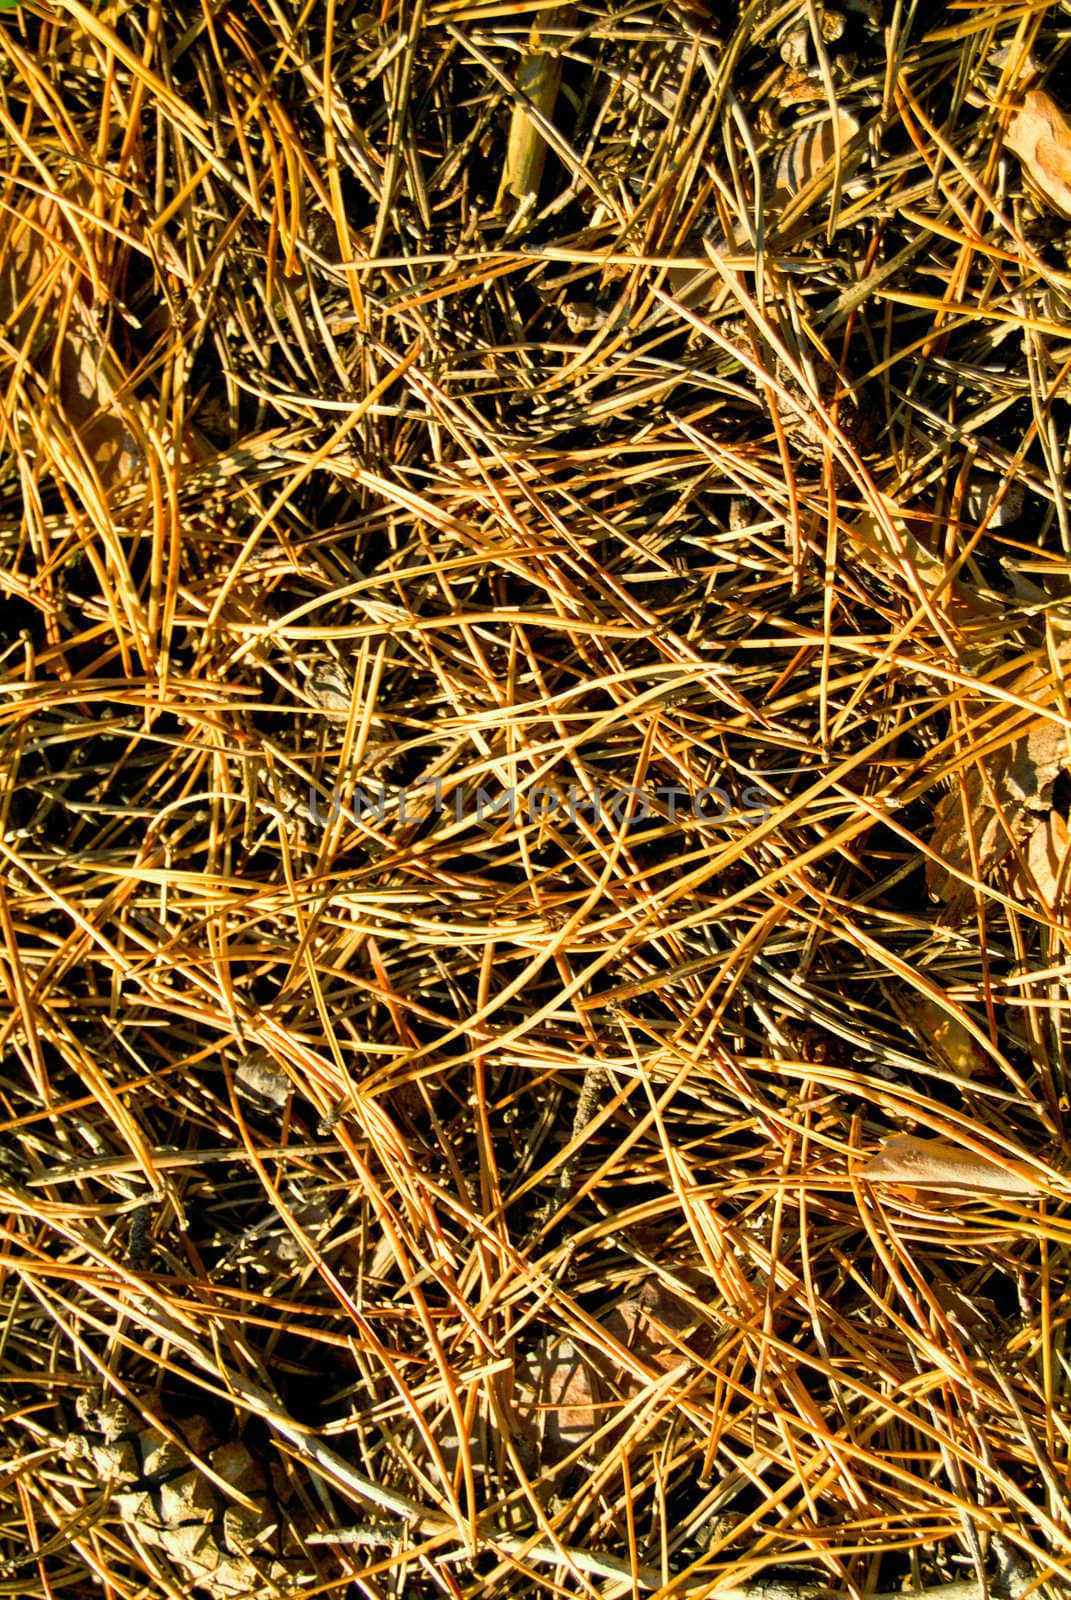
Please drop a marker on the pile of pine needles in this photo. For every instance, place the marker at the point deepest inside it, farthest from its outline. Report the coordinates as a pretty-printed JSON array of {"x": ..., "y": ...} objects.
[{"x": 535, "y": 762}]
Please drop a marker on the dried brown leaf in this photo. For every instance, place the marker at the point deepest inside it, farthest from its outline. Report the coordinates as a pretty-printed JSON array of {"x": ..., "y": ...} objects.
[
  {"x": 949, "y": 1038},
  {"x": 47, "y": 319},
  {"x": 566, "y": 1394},
  {"x": 567, "y": 1385},
  {"x": 998, "y": 808},
  {"x": 1047, "y": 852},
  {"x": 938, "y": 1164},
  {"x": 1040, "y": 136},
  {"x": 804, "y": 156},
  {"x": 646, "y": 1324}
]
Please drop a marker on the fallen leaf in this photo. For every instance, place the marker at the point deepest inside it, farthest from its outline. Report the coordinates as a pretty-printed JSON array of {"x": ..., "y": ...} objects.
[
  {"x": 1047, "y": 851},
  {"x": 804, "y": 156},
  {"x": 967, "y": 1313},
  {"x": 869, "y": 535},
  {"x": 568, "y": 1389},
  {"x": 43, "y": 280},
  {"x": 1040, "y": 136},
  {"x": 646, "y": 1325},
  {"x": 998, "y": 807},
  {"x": 260, "y": 1084},
  {"x": 937, "y": 1164},
  {"x": 565, "y": 1395},
  {"x": 979, "y": 500},
  {"x": 696, "y": 284},
  {"x": 580, "y": 315},
  {"x": 329, "y": 685},
  {"x": 949, "y": 1038}
]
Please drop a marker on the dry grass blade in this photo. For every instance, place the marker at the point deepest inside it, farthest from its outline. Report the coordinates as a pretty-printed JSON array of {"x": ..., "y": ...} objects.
[{"x": 538, "y": 80}]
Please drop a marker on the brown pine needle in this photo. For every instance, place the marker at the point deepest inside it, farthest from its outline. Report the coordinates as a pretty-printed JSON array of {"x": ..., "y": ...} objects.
[{"x": 536, "y": 751}]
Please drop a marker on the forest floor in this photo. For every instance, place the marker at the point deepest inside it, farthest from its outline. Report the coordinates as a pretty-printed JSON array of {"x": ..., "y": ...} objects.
[{"x": 535, "y": 904}]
